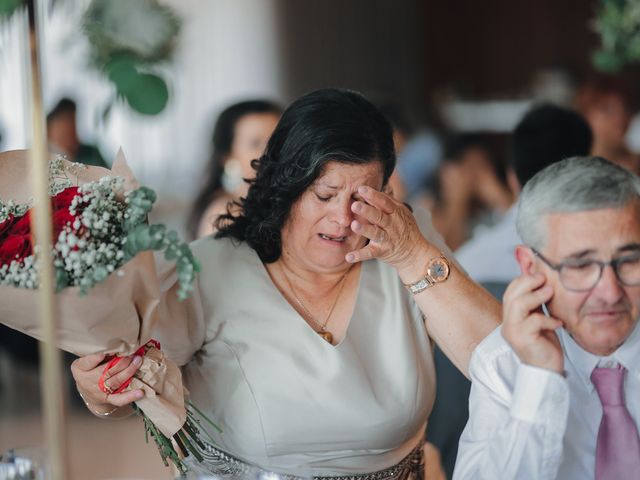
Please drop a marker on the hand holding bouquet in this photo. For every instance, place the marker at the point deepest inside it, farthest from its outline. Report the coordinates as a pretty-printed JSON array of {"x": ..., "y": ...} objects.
[{"x": 109, "y": 292}]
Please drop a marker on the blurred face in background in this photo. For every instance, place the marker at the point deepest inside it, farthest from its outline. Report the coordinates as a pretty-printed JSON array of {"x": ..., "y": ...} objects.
[
  {"x": 609, "y": 119},
  {"x": 251, "y": 133},
  {"x": 61, "y": 131}
]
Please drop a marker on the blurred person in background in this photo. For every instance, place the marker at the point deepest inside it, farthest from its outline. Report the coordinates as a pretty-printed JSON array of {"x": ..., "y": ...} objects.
[
  {"x": 605, "y": 103},
  {"x": 240, "y": 135},
  {"x": 420, "y": 155},
  {"x": 545, "y": 135},
  {"x": 62, "y": 135},
  {"x": 466, "y": 186},
  {"x": 402, "y": 133}
]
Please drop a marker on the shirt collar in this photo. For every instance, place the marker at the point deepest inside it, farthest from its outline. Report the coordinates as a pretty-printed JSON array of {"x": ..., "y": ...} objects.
[{"x": 627, "y": 355}]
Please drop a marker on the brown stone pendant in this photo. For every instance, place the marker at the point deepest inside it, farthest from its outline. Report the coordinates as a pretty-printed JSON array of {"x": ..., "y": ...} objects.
[{"x": 326, "y": 335}]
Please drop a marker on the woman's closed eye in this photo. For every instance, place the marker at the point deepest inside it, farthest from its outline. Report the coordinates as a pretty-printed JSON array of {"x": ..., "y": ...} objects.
[{"x": 323, "y": 198}]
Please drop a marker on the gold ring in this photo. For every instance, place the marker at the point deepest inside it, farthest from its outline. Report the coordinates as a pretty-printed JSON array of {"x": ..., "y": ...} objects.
[{"x": 107, "y": 389}]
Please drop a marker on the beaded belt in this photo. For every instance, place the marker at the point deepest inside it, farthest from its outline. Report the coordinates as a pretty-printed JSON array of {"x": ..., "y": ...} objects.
[{"x": 218, "y": 462}]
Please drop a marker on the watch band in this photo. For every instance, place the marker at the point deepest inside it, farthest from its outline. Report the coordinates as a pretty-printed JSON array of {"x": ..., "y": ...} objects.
[
  {"x": 438, "y": 269},
  {"x": 422, "y": 284}
]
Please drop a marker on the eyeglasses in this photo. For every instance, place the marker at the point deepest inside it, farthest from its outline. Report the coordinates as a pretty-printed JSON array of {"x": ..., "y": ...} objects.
[{"x": 582, "y": 275}]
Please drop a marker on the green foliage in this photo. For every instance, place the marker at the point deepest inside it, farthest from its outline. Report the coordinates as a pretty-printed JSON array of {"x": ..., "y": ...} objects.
[
  {"x": 618, "y": 24},
  {"x": 140, "y": 237},
  {"x": 146, "y": 93},
  {"x": 188, "y": 439},
  {"x": 127, "y": 40},
  {"x": 8, "y": 7}
]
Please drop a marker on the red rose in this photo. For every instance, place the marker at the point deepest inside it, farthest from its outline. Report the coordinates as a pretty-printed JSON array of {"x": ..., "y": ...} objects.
[
  {"x": 15, "y": 247},
  {"x": 61, "y": 218},
  {"x": 64, "y": 198},
  {"x": 22, "y": 226},
  {"x": 5, "y": 226}
]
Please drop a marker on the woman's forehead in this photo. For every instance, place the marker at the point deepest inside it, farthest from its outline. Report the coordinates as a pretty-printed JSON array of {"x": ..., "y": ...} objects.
[{"x": 335, "y": 174}]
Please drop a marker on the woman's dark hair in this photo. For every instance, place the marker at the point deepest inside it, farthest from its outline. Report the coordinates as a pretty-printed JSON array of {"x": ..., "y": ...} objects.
[
  {"x": 322, "y": 126},
  {"x": 221, "y": 142}
]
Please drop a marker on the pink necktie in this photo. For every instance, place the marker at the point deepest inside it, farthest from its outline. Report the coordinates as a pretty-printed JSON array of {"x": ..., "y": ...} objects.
[{"x": 618, "y": 447}]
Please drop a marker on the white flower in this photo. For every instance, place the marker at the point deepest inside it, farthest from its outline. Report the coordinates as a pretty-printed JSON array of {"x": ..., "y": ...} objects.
[{"x": 142, "y": 27}]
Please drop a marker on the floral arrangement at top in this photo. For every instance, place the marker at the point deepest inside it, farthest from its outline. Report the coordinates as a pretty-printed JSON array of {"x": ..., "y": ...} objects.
[
  {"x": 129, "y": 42},
  {"x": 618, "y": 24},
  {"x": 110, "y": 292}
]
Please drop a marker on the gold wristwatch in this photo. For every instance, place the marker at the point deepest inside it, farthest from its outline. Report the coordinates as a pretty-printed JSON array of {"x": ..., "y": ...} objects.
[{"x": 438, "y": 269}]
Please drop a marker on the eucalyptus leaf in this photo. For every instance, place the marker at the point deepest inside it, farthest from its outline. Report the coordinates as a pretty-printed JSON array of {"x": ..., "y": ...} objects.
[
  {"x": 157, "y": 234},
  {"x": 171, "y": 253},
  {"x": 148, "y": 94},
  {"x": 121, "y": 70},
  {"x": 62, "y": 279},
  {"x": 99, "y": 274},
  {"x": 8, "y": 7}
]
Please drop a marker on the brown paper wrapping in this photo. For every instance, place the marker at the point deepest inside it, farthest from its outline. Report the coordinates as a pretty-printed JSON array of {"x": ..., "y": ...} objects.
[{"x": 115, "y": 317}]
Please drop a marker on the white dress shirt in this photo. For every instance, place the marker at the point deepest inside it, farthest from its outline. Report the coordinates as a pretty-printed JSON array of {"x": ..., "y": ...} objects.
[
  {"x": 531, "y": 423},
  {"x": 489, "y": 255}
]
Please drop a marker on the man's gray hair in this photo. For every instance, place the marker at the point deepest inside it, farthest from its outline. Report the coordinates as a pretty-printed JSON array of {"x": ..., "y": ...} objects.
[{"x": 572, "y": 185}]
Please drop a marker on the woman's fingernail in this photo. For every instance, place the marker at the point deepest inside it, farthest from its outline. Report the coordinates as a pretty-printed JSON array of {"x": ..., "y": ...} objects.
[
  {"x": 350, "y": 257},
  {"x": 356, "y": 207},
  {"x": 356, "y": 226},
  {"x": 363, "y": 190},
  {"x": 137, "y": 360},
  {"x": 139, "y": 394}
]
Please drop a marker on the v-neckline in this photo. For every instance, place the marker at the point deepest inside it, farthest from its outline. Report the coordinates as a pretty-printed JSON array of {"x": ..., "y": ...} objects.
[{"x": 300, "y": 318}]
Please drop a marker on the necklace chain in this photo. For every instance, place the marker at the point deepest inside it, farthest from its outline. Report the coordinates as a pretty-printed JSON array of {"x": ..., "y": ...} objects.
[{"x": 323, "y": 326}]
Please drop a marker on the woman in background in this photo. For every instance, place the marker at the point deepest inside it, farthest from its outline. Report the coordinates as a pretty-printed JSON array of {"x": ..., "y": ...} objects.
[
  {"x": 604, "y": 102},
  {"x": 239, "y": 136}
]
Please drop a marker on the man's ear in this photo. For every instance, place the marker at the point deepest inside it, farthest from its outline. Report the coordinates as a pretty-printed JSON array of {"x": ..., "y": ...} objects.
[{"x": 526, "y": 259}]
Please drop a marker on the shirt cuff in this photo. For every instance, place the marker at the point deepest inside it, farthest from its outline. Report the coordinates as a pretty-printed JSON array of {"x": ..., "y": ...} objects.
[{"x": 539, "y": 394}]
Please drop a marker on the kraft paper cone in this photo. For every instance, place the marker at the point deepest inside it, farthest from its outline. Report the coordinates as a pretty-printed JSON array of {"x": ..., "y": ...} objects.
[{"x": 116, "y": 316}]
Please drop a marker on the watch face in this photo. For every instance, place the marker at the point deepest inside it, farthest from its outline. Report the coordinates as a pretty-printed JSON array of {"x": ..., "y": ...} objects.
[{"x": 439, "y": 269}]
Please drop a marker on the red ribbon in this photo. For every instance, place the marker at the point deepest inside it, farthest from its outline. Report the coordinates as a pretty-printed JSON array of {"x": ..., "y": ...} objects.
[{"x": 140, "y": 352}]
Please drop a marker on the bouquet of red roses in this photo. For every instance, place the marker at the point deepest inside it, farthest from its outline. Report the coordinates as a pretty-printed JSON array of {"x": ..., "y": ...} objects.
[{"x": 109, "y": 292}]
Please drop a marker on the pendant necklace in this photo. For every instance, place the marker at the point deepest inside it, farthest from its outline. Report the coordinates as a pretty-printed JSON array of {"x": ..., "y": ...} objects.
[{"x": 323, "y": 332}]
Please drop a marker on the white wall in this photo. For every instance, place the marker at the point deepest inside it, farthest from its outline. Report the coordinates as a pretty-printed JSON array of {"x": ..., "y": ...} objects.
[{"x": 227, "y": 51}]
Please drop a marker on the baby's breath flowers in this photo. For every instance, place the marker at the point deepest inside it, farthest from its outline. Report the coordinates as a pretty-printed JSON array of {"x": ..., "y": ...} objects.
[{"x": 97, "y": 234}]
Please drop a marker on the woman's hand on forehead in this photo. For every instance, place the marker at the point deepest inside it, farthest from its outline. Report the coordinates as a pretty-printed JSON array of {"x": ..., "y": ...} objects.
[{"x": 388, "y": 224}]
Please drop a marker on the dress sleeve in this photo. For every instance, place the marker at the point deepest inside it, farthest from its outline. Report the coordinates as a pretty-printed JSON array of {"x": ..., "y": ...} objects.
[{"x": 513, "y": 433}]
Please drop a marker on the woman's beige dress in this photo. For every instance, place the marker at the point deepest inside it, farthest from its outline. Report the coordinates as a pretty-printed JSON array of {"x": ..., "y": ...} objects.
[{"x": 283, "y": 396}]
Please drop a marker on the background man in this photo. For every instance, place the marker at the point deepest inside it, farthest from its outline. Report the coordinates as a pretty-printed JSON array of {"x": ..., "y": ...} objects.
[{"x": 558, "y": 396}]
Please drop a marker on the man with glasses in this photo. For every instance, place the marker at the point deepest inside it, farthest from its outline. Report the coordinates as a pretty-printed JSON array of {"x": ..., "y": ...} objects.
[{"x": 556, "y": 388}]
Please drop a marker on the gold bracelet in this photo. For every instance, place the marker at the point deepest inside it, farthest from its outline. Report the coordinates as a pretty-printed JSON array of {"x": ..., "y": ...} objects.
[{"x": 97, "y": 414}]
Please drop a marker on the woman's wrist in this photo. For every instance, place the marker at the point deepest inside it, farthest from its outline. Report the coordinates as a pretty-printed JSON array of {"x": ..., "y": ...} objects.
[{"x": 414, "y": 266}]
